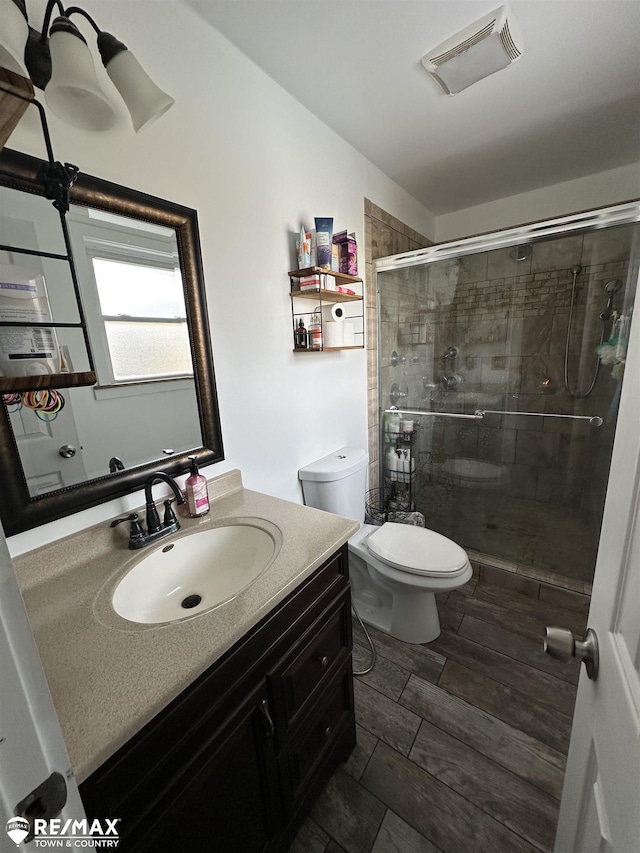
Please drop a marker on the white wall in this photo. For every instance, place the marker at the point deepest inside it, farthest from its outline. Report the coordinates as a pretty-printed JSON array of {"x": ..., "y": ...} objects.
[
  {"x": 599, "y": 190},
  {"x": 256, "y": 165}
]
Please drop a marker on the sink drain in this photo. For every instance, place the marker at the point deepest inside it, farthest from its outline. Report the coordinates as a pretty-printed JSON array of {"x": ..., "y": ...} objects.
[{"x": 191, "y": 601}]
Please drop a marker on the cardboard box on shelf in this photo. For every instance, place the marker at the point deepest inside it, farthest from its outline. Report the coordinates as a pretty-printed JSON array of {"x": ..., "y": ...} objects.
[
  {"x": 348, "y": 252},
  {"x": 318, "y": 281},
  {"x": 309, "y": 282}
]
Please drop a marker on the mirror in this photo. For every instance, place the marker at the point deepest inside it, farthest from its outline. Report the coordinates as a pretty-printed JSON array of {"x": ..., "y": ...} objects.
[{"x": 139, "y": 270}]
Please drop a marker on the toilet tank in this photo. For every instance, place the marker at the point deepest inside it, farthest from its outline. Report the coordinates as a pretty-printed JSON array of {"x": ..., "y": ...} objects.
[{"x": 337, "y": 483}]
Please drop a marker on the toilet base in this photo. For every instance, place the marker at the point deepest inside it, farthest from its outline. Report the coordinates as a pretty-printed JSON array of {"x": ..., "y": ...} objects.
[{"x": 421, "y": 624}]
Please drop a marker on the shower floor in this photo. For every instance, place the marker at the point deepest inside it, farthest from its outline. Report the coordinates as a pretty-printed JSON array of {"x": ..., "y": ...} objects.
[{"x": 548, "y": 542}]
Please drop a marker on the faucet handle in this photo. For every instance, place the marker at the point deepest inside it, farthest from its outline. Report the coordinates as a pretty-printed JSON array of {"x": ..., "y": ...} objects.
[
  {"x": 136, "y": 529},
  {"x": 169, "y": 514},
  {"x": 133, "y": 518}
]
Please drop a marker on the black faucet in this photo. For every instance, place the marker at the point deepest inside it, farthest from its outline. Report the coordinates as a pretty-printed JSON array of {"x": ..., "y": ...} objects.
[
  {"x": 115, "y": 464},
  {"x": 155, "y": 530},
  {"x": 153, "y": 520}
]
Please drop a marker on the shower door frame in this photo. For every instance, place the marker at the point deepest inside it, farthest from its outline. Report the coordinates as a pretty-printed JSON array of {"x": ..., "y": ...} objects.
[{"x": 625, "y": 213}]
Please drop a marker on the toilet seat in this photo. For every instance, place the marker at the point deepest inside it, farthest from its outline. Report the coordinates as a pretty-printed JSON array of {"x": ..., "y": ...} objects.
[{"x": 417, "y": 550}]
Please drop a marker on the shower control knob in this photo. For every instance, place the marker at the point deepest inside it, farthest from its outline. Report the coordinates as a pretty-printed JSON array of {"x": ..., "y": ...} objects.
[
  {"x": 452, "y": 381},
  {"x": 561, "y": 644}
]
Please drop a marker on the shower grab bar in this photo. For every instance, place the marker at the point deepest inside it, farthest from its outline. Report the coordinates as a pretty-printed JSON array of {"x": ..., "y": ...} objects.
[
  {"x": 593, "y": 419},
  {"x": 479, "y": 414}
]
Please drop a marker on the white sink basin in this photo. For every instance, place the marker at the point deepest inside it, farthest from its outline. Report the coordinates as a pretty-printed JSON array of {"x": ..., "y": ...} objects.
[{"x": 181, "y": 579}]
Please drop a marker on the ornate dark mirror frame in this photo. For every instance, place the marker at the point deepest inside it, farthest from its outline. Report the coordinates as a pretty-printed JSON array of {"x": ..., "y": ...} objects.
[{"x": 18, "y": 510}]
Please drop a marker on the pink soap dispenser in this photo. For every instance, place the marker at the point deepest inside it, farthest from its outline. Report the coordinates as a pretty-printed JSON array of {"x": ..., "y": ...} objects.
[{"x": 196, "y": 489}]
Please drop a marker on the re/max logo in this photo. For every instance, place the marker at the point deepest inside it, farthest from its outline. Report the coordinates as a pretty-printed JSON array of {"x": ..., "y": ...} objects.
[{"x": 100, "y": 829}]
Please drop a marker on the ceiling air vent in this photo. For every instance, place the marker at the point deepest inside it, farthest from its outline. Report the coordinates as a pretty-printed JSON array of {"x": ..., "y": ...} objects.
[{"x": 492, "y": 43}]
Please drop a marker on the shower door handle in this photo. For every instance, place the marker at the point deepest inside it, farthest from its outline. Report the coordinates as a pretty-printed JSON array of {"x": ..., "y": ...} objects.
[{"x": 561, "y": 644}]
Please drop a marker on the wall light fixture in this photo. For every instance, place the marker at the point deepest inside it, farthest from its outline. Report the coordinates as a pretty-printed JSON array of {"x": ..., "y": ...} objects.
[{"x": 59, "y": 61}]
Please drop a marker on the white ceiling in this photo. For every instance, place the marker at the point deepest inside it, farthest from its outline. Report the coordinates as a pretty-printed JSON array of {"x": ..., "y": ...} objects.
[{"x": 570, "y": 107}]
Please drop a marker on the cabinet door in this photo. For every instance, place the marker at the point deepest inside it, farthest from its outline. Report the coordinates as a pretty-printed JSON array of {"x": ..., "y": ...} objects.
[{"x": 229, "y": 800}]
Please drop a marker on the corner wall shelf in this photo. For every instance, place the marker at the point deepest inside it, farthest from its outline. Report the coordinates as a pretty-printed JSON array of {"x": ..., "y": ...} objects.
[{"x": 326, "y": 297}]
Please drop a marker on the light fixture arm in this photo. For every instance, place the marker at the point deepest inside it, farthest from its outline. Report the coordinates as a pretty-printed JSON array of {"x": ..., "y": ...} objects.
[
  {"x": 37, "y": 56},
  {"x": 76, "y": 10},
  {"x": 47, "y": 17}
]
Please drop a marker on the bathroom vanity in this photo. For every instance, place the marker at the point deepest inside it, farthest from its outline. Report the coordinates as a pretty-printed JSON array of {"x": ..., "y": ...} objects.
[{"x": 218, "y": 731}]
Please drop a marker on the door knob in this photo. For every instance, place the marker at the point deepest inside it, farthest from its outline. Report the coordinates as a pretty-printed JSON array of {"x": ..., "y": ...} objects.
[
  {"x": 67, "y": 451},
  {"x": 561, "y": 644}
]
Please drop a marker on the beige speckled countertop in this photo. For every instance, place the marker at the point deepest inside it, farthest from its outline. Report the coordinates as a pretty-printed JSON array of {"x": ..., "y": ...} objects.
[{"x": 109, "y": 677}]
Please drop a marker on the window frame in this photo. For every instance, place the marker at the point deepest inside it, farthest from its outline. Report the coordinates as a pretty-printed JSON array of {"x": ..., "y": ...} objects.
[{"x": 159, "y": 247}]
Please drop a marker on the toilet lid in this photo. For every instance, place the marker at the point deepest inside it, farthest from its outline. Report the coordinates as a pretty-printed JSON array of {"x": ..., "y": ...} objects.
[{"x": 417, "y": 550}]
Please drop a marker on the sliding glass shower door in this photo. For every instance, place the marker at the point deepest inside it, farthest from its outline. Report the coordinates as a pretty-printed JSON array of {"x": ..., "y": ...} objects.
[{"x": 511, "y": 360}]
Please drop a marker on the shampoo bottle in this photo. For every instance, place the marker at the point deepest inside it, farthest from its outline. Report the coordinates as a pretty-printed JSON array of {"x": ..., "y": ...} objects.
[
  {"x": 392, "y": 464},
  {"x": 196, "y": 489}
]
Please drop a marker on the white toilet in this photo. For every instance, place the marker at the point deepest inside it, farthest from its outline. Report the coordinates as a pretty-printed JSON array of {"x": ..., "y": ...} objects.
[{"x": 395, "y": 569}]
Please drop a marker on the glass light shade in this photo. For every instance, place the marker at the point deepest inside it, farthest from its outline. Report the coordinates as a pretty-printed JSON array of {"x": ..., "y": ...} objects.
[
  {"x": 74, "y": 93},
  {"x": 13, "y": 38},
  {"x": 144, "y": 100}
]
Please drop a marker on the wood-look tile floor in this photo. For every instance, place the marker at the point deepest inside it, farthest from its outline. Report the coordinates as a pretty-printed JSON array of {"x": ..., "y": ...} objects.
[{"x": 462, "y": 742}]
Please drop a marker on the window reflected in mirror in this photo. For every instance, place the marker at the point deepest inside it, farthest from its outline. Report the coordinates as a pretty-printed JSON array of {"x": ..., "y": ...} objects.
[{"x": 133, "y": 288}]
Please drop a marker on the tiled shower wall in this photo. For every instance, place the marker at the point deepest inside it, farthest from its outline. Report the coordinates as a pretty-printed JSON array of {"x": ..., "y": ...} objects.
[
  {"x": 509, "y": 320},
  {"x": 384, "y": 235}
]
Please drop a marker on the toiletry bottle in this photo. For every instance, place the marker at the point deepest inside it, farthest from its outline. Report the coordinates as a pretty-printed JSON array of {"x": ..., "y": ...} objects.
[
  {"x": 315, "y": 330},
  {"x": 386, "y": 426},
  {"x": 301, "y": 335},
  {"x": 196, "y": 489},
  {"x": 392, "y": 463}
]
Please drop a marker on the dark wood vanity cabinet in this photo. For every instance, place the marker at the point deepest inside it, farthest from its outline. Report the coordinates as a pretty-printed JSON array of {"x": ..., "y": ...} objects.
[{"x": 235, "y": 761}]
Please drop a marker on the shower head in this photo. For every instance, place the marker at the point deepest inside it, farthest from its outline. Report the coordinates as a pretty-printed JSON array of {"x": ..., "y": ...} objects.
[{"x": 610, "y": 288}]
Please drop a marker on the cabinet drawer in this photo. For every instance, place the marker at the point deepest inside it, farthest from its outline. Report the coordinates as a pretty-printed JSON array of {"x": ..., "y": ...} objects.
[
  {"x": 314, "y": 660},
  {"x": 316, "y": 735}
]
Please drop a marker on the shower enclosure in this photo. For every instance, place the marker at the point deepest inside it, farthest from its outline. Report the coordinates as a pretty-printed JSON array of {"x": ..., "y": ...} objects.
[{"x": 505, "y": 356}]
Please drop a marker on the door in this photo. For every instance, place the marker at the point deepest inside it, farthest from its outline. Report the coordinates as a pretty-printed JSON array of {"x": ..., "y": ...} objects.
[
  {"x": 31, "y": 745},
  {"x": 600, "y": 811},
  {"x": 49, "y": 447}
]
